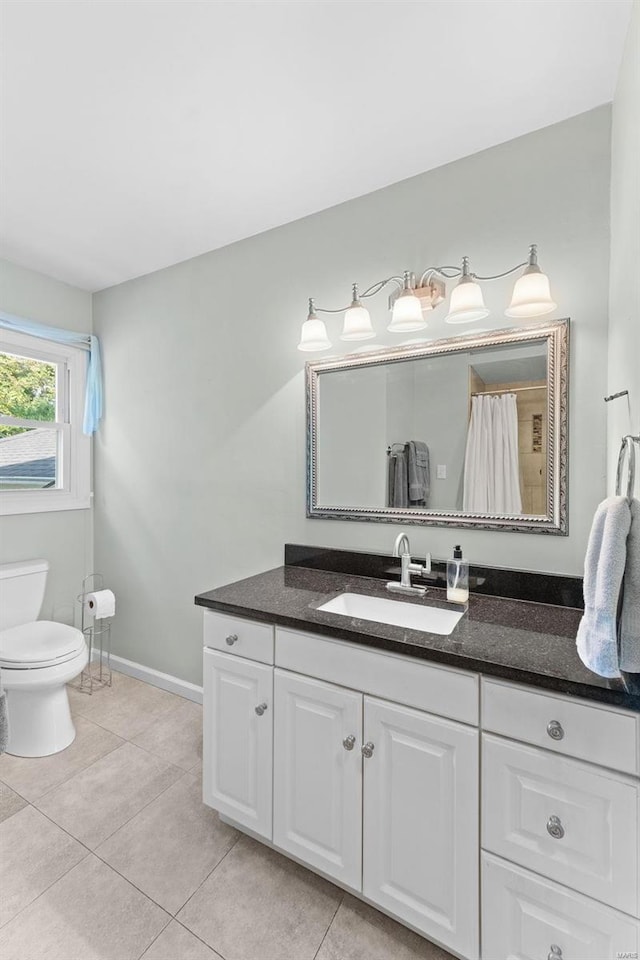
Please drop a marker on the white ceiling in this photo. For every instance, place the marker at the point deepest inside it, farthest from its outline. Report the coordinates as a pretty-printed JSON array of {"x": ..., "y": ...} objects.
[{"x": 139, "y": 134}]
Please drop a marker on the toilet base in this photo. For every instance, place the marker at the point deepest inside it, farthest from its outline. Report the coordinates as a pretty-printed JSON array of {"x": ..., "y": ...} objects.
[
  {"x": 38, "y": 707},
  {"x": 39, "y": 721}
]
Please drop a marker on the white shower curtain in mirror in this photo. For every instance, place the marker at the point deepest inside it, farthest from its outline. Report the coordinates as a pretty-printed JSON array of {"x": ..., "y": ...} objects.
[{"x": 491, "y": 467}]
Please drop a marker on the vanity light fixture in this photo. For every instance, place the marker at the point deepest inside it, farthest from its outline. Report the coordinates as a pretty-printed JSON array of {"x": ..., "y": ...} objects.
[
  {"x": 467, "y": 302},
  {"x": 313, "y": 337},
  {"x": 357, "y": 320},
  {"x": 411, "y": 299},
  {"x": 531, "y": 293},
  {"x": 406, "y": 311}
]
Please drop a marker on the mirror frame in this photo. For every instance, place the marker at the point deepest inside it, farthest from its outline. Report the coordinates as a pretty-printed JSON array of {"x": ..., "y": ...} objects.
[{"x": 556, "y": 333}]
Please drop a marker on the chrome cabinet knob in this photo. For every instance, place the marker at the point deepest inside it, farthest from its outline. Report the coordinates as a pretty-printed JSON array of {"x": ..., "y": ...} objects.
[
  {"x": 555, "y": 953},
  {"x": 554, "y": 729},
  {"x": 260, "y": 709},
  {"x": 367, "y": 749},
  {"x": 349, "y": 742},
  {"x": 555, "y": 828},
  {"x": 231, "y": 639}
]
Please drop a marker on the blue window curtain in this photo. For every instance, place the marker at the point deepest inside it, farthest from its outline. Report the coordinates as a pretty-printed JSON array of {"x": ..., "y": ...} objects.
[{"x": 93, "y": 394}]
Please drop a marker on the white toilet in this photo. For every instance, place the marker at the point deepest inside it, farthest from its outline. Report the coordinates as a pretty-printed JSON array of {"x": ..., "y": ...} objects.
[{"x": 37, "y": 659}]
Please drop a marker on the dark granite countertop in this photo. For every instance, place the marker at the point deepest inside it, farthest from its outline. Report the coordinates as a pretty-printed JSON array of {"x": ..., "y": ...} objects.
[{"x": 531, "y": 643}]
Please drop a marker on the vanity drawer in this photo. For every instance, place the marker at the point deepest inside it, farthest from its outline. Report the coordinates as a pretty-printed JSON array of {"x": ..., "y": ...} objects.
[
  {"x": 531, "y": 918},
  {"x": 562, "y": 724},
  {"x": 566, "y": 820},
  {"x": 245, "y": 638},
  {"x": 435, "y": 689}
]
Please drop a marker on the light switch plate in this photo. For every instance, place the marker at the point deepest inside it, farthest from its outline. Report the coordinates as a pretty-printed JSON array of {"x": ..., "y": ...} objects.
[{"x": 441, "y": 471}]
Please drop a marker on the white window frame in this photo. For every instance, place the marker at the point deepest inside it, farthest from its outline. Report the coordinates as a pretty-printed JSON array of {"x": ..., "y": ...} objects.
[{"x": 75, "y": 492}]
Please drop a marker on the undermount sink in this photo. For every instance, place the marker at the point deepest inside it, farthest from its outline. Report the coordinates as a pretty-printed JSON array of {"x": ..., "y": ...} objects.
[{"x": 411, "y": 615}]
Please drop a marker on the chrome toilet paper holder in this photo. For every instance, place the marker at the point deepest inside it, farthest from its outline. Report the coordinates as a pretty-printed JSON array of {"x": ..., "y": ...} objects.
[{"x": 97, "y": 634}]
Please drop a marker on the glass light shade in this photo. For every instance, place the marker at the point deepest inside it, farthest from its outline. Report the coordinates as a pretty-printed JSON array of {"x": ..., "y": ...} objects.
[
  {"x": 467, "y": 303},
  {"x": 531, "y": 295},
  {"x": 406, "y": 314},
  {"x": 313, "y": 337},
  {"x": 357, "y": 324}
]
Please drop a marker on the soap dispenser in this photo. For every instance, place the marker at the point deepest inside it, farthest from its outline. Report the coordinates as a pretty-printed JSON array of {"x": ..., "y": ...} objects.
[{"x": 457, "y": 578}]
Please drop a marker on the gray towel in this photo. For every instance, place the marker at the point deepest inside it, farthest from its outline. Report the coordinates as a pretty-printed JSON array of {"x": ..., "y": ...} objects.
[
  {"x": 418, "y": 469},
  {"x": 630, "y": 616},
  {"x": 397, "y": 486},
  {"x": 604, "y": 567}
]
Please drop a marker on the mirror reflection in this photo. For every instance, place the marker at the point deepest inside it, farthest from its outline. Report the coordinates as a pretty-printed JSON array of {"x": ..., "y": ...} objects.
[{"x": 460, "y": 432}]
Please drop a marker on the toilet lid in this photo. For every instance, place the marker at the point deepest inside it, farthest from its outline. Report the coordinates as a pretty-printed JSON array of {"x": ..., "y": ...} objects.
[{"x": 39, "y": 643}]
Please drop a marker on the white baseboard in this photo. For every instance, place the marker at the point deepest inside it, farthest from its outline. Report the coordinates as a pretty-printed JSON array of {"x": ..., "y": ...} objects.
[{"x": 157, "y": 679}]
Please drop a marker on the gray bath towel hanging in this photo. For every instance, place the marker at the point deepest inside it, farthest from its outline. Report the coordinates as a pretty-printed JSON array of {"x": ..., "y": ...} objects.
[
  {"x": 418, "y": 470},
  {"x": 397, "y": 480}
]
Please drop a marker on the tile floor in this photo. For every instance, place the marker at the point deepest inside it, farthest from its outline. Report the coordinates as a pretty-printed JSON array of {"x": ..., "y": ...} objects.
[{"x": 107, "y": 853}]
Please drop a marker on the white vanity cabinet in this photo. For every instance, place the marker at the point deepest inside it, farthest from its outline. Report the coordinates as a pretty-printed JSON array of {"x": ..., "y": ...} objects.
[
  {"x": 366, "y": 765},
  {"x": 370, "y": 788},
  {"x": 238, "y": 740}
]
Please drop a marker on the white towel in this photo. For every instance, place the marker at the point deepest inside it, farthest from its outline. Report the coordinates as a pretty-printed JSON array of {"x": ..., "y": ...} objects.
[
  {"x": 604, "y": 567},
  {"x": 630, "y": 616}
]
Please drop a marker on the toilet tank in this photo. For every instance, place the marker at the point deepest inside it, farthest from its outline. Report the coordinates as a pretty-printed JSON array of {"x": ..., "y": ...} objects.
[{"x": 21, "y": 591}]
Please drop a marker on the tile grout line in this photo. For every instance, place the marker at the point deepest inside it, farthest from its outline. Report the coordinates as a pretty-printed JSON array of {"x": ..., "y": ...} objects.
[
  {"x": 77, "y": 772},
  {"x": 122, "y": 740},
  {"x": 4, "y": 925},
  {"x": 326, "y": 933},
  {"x": 208, "y": 945},
  {"x": 183, "y": 773},
  {"x": 17, "y": 792},
  {"x": 159, "y": 934},
  {"x": 115, "y": 869},
  {"x": 88, "y": 852},
  {"x": 213, "y": 870}
]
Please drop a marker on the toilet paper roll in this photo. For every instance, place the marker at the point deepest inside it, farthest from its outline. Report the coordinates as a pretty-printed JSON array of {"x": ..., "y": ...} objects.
[{"x": 100, "y": 604}]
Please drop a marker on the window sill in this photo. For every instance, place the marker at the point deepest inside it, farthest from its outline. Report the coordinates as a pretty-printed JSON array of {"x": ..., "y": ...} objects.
[{"x": 37, "y": 502}]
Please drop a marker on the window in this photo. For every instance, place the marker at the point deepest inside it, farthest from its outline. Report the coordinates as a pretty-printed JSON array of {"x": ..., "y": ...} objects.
[{"x": 44, "y": 456}]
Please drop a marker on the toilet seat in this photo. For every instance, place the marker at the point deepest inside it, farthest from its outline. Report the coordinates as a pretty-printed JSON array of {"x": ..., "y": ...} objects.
[{"x": 42, "y": 643}]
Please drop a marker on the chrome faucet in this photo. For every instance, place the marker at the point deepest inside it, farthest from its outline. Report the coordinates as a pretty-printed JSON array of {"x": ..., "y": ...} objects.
[{"x": 402, "y": 549}]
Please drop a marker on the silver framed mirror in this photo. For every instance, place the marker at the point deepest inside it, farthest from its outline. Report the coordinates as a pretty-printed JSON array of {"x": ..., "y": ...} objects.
[{"x": 469, "y": 432}]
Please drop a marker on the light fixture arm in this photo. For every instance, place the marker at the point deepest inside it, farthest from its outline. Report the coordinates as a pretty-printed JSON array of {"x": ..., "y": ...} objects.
[
  {"x": 369, "y": 292},
  {"x": 449, "y": 273},
  {"x": 507, "y": 273}
]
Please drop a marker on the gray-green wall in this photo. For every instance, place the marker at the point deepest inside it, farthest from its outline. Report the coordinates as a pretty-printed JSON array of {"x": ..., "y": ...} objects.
[
  {"x": 63, "y": 537},
  {"x": 624, "y": 299},
  {"x": 200, "y": 464}
]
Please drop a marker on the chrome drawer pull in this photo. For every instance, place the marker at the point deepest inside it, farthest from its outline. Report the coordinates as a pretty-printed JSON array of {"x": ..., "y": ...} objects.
[
  {"x": 349, "y": 742},
  {"x": 231, "y": 639},
  {"x": 260, "y": 709},
  {"x": 555, "y": 953},
  {"x": 555, "y": 731},
  {"x": 555, "y": 828},
  {"x": 367, "y": 749}
]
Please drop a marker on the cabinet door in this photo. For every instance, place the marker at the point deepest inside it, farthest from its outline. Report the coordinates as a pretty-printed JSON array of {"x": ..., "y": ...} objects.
[
  {"x": 317, "y": 814},
  {"x": 238, "y": 739},
  {"x": 420, "y": 851}
]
